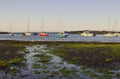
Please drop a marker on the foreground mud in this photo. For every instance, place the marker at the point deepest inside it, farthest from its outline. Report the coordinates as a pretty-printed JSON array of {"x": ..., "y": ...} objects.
[{"x": 59, "y": 60}]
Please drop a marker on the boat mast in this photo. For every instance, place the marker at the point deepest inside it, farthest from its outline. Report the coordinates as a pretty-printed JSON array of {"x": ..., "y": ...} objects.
[
  {"x": 28, "y": 25},
  {"x": 114, "y": 25},
  {"x": 10, "y": 28},
  {"x": 42, "y": 25},
  {"x": 109, "y": 23},
  {"x": 59, "y": 24}
]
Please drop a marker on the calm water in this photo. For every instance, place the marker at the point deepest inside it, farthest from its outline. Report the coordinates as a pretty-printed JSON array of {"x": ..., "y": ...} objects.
[{"x": 52, "y": 37}]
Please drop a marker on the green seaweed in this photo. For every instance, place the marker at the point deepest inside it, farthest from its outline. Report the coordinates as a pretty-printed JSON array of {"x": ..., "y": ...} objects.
[
  {"x": 3, "y": 63},
  {"x": 36, "y": 72},
  {"x": 44, "y": 58},
  {"x": 118, "y": 75},
  {"x": 36, "y": 66},
  {"x": 54, "y": 73}
]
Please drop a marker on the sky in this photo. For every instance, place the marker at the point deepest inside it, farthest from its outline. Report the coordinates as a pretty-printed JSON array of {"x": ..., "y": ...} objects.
[{"x": 58, "y": 15}]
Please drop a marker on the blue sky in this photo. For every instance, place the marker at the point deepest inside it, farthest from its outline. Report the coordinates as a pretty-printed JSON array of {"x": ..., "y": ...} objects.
[{"x": 75, "y": 14}]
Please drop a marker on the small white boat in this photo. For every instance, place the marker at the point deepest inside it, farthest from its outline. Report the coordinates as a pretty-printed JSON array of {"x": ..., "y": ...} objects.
[
  {"x": 86, "y": 33},
  {"x": 28, "y": 34},
  {"x": 11, "y": 34},
  {"x": 117, "y": 34},
  {"x": 111, "y": 35}
]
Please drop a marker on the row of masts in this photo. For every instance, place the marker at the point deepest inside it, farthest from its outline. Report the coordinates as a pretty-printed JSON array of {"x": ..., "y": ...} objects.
[
  {"x": 108, "y": 34},
  {"x": 62, "y": 33},
  {"x": 43, "y": 33}
]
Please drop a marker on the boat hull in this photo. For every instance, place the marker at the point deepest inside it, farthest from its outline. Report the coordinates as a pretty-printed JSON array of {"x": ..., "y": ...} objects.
[
  {"x": 28, "y": 34},
  {"x": 43, "y": 34},
  {"x": 62, "y": 35},
  {"x": 84, "y": 34},
  {"x": 110, "y": 35}
]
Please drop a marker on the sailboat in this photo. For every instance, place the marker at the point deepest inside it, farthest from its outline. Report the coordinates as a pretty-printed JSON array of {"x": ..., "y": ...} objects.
[
  {"x": 87, "y": 33},
  {"x": 28, "y": 33},
  {"x": 61, "y": 34},
  {"x": 110, "y": 34},
  {"x": 116, "y": 33},
  {"x": 43, "y": 34},
  {"x": 11, "y": 30}
]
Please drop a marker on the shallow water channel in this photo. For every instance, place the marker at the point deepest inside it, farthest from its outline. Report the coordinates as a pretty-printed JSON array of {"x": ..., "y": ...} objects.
[{"x": 40, "y": 64}]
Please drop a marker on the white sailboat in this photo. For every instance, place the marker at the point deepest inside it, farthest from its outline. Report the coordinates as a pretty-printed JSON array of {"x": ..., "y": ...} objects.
[
  {"x": 28, "y": 33},
  {"x": 110, "y": 34},
  {"x": 117, "y": 34},
  {"x": 11, "y": 33}
]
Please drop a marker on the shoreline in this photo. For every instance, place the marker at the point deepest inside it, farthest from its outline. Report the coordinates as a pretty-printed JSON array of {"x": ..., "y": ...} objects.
[{"x": 84, "y": 42}]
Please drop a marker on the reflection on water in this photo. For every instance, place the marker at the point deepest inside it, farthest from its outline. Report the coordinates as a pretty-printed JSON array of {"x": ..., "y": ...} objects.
[
  {"x": 53, "y": 37},
  {"x": 40, "y": 64},
  {"x": 53, "y": 69}
]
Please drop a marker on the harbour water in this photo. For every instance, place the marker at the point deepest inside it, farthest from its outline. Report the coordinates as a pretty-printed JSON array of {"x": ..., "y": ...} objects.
[{"x": 53, "y": 37}]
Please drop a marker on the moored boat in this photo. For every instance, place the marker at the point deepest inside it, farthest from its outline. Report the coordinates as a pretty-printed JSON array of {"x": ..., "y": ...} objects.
[
  {"x": 62, "y": 34},
  {"x": 28, "y": 34},
  {"x": 86, "y": 33},
  {"x": 42, "y": 29},
  {"x": 111, "y": 35},
  {"x": 43, "y": 34}
]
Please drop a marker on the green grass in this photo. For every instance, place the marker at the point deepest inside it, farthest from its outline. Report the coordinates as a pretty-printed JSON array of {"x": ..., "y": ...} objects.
[
  {"x": 101, "y": 57},
  {"x": 95, "y": 55}
]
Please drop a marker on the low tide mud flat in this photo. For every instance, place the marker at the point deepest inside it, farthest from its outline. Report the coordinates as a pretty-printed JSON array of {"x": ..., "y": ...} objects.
[{"x": 59, "y": 60}]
